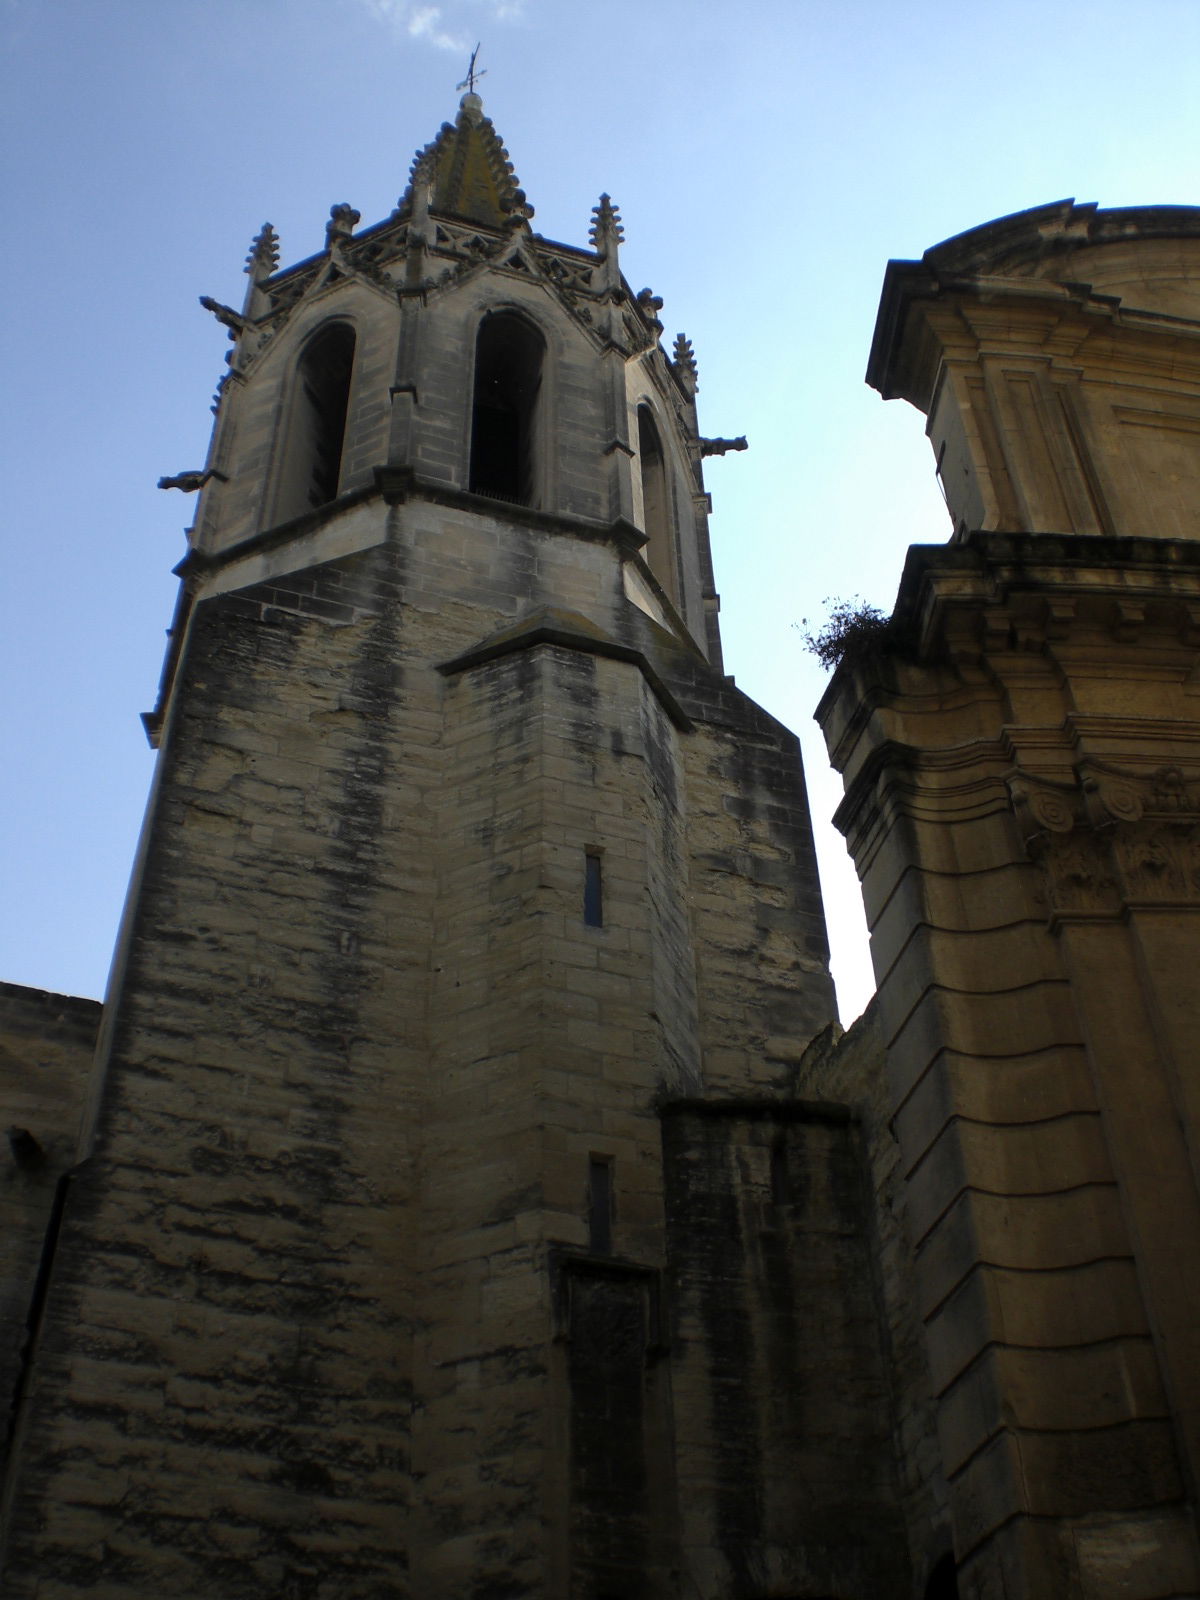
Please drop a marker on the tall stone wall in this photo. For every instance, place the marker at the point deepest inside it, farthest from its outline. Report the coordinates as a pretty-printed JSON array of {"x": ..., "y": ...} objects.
[
  {"x": 850, "y": 1068},
  {"x": 787, "y": 1477},
  {"x": 1020, "y": 819},
  {"x": 326, "y": 1310},
  {"x": 46, "y": 1047}
]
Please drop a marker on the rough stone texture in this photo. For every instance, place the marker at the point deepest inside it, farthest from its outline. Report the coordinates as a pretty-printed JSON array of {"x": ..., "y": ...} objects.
[
  {"x": 332, "y": 1313},
  {"x": 46, "y": 1047},
  {"x": 782, "y": 1404},
  {"x": 850, "y": 1068},
  {"x": 326, "y": 1319}
]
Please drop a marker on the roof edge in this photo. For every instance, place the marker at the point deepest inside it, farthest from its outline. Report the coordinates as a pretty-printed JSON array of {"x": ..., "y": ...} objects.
[{"x": 1023, "y": 237}]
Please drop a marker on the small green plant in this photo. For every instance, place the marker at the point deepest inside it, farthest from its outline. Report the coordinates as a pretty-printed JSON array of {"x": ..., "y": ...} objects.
[{"x": 851, "y": 629}]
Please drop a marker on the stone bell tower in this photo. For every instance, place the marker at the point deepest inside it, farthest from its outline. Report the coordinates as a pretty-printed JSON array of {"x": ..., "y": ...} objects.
[
  {"x": 428, "y": 1233},
  {"x": 1021, "y": 751}
]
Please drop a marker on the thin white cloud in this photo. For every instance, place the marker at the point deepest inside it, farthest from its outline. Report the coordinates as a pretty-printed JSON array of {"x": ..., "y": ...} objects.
[
  {"x": 425, "y": 22},
  {"x": 450, "y": 26}
]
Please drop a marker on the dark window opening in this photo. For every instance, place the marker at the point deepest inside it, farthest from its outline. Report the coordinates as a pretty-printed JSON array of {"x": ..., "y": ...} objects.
[
  {"x": 317, "y": 429},
  {"x": 593, "y": 891},
  {"x": 656, "y": 502},
  {"x": 943, "y": 1580},
  {"x": 508, "y": 376},
  {"x": 600, "y": 1205},
  {"x": 780, "y": 1183}
]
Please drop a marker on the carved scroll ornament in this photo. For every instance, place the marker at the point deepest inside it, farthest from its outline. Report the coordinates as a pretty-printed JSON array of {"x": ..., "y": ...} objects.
[{"x": 1112, "y": 838}]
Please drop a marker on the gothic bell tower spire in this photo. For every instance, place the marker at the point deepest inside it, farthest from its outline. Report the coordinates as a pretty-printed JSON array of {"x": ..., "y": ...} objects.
[{"x": 465, "y": 864}]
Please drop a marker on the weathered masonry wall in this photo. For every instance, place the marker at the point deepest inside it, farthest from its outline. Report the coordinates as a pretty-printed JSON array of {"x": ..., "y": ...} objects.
[
  {"x": 850, "y": 1068},
  {"x": 46, "y": 1047},
  {"x": 787, "y": 1478},
  {"x": 333, "y": 1256},
  {"x": 1022, "y": 837},
  {"x": 238, "y": 1408}
]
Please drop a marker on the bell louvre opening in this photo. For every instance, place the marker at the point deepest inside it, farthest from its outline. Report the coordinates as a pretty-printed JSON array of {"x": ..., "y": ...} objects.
[
  {"x": 508, "y": 375},
  {"x": 317, "y": 431},
  {"x": 656, "y": 502}
]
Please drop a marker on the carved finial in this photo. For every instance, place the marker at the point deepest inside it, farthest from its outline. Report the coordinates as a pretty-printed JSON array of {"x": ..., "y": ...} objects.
[
  {"x": 264, "y": 253},
  {"x": 343, "y": 220},
  {"x": 650, "y": 304},
  {"x": 685, "y": 364},
  {"x": 518, "y": 208},
  {"x": 421, "y": 178},
  {"x": 606, "y": 225},
  {"x": 424, "y": 168}
]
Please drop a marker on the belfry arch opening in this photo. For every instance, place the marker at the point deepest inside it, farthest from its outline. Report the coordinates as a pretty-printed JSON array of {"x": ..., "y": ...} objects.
[
  {"x": 312, "y": 467},
  {"x": 656, "y": 502},
  {"x": 509, "y": 353}
]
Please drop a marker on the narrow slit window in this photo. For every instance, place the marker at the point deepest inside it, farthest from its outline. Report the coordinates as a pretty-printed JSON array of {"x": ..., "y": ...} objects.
[
  {"x": 593, "y": 890},
  {"x": 508, "y": 379},
  {"x": 600, "y": 1205},
  {"x": 780, "y": 1181}
]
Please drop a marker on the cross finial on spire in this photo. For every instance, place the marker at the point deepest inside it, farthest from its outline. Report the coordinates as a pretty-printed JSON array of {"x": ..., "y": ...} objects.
[{"x": 472, "y": 76}]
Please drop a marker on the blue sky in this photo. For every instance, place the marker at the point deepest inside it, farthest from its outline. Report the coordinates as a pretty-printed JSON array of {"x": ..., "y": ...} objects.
[{"x": 767, "y": 158}]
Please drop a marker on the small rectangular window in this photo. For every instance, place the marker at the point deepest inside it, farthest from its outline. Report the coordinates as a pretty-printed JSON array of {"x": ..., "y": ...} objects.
[
  {"x": 600, "y": 1205},
  {"x": 780, "y": 1177},
  {"x": 593, "y": 891}
]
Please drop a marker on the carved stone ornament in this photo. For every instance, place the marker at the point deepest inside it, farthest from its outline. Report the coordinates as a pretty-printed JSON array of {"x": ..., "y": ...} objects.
[
  {"x": 685, "y": 364},
  {"x": 1114, "y": 837},
  {"x": 1079, "y": 875},
  {"x": 1123, "y": 796},
  {"x": 1111, "y": 799},
  {"x": 1041, "y": 807},
  {"x": 343, "y": 219},
  {"x": 225, "y": 315},
  {"x": 263, "y": 259},
  {"x": 606, "y": 229}
]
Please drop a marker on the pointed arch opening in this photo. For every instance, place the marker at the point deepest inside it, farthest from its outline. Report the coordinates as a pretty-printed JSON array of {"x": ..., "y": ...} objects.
[
  {"x": 316, "y": 437},
  {"x": 509, "y": 353},
  {"x": 656, "y": 502}
]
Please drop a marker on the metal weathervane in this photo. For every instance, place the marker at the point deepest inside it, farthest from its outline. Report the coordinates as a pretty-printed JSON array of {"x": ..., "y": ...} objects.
[{"x": 472, "y": 77}]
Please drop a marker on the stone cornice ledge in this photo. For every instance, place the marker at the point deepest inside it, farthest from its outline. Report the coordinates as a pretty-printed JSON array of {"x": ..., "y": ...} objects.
[
  {"x": 987, "y": 565},
  {"x": 570, "y": 631},
  {"x": 395, "y": 485}
]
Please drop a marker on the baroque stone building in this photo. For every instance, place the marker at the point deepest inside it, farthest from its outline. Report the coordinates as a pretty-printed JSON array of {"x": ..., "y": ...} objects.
[{"x": 475, "y": 1195}]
